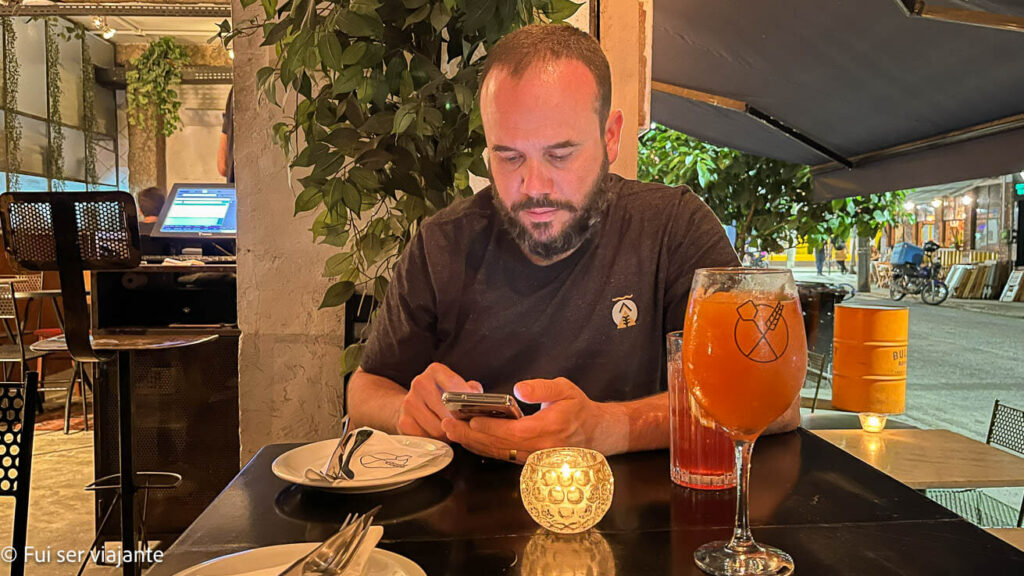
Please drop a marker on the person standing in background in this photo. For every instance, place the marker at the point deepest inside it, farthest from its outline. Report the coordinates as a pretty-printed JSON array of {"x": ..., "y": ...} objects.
[
  {"x": 151, "y": 203},
  {"x": 226, "y": 155},
  {"x": 839, "y": 255}
]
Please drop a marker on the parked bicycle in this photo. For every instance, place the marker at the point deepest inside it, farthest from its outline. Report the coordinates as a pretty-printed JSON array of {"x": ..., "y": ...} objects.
[{"x": 911, "y": 275}]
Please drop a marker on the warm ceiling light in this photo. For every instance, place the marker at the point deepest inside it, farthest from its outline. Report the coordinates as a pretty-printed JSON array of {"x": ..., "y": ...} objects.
[
  {"x": 909, "y": 205},
  {"x": 98, "y": 22},
  {"x": 108, "y": 32},
  {"x": 937, "y": 202},
  {"x": 231, "y": 53}
]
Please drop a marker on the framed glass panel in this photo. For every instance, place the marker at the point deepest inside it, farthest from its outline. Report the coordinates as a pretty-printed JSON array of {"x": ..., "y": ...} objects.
[
  {"x": 31, "y": 51},
  {"x": 33, "y": 145},
  {"x": 70, "y": 80},
  {"x": 74, "y": 154},
  {"x": 105, "y": 165}
]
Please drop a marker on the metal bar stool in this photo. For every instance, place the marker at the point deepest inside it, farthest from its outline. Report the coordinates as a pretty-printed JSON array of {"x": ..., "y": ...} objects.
[{"x": 72, "y": 232}]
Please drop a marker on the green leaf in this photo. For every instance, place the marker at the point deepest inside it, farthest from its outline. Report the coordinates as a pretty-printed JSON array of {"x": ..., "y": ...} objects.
[
  {"x": 331, "y": 51},
  {"x": 363, "y": 25},
  {"x": 307, "y": 200},
  {"x": 404, "y": 118},
  {"x": 364, "y": 6},
  {"x": 353, "y": 53},
  {"x": 350, "y": 196},
  {"x": 379, "y": 123},
  {"x": 277, "y": 32},
  {"x": 419, "y": 15},
  {"x": 439, "y": 16},
  {"x": 338, "y": 294},
  {"x": 342, "y": 138},
  {"x": 351, "y": 359},
  {"x": 365, "y": 179},
  {"x": 559, "y": 10},
  {"x": 373, "y": 159},
  {"x": 413, "y": 4},
  {"x": 348, "y": 80},
  {"x": 339, "y": 264},
  {"x": 264, "y": 76},
  {"x": 464, "y": 96}
]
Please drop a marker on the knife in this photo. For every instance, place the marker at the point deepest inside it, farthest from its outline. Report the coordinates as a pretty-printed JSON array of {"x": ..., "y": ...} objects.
[{"x": 361, "y": 437}]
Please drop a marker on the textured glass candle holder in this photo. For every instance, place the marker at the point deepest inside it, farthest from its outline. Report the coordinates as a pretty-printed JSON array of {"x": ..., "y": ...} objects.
[{"x": 567, "y": 490}]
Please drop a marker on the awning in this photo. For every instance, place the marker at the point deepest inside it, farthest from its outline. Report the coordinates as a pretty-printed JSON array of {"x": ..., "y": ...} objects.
[{"x": 875, "y": 95}]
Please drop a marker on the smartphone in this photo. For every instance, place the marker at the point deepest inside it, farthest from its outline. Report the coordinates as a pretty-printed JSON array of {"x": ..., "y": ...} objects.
[{"x": 467, "y": 405}]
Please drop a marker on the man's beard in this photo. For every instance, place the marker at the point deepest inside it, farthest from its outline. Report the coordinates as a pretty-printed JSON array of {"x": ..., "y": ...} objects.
[{"x": 584, "y": 219}]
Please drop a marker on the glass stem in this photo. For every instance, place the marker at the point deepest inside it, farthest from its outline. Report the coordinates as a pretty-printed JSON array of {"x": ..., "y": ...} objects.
[{"x": 742, "y": 542}]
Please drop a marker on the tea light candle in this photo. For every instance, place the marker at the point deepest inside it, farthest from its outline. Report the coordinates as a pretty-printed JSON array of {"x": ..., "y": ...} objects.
[
  {"x": 566, "y": 490},
  {"x": 872, "y": 422}
]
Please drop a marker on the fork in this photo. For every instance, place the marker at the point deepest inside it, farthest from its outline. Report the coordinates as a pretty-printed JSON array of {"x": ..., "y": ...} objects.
[
  {"x": 328, "y": 550},
  {"x": 341, "y": 561}
]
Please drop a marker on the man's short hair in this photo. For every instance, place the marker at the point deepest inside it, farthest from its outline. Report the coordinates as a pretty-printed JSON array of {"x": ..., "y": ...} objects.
[
  {"x": 151, "y": 201},
  {"x": 542, "y": 44}
]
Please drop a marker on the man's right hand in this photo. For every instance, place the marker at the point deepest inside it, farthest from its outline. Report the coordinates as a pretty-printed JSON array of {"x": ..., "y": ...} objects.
[{"x": 421, "y": 412}]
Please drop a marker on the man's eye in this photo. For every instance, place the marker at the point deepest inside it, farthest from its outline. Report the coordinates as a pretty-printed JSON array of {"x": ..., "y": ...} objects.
[
  {"x": 559, "y": 157},
  {"x": 511, "y": 159}
]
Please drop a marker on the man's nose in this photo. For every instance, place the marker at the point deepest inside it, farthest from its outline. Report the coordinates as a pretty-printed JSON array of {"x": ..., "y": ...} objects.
[{"x": 536, "y": 180}]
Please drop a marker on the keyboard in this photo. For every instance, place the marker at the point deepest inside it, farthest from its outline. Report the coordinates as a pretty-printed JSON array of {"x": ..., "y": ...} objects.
[{"x": 218, "y": 259}]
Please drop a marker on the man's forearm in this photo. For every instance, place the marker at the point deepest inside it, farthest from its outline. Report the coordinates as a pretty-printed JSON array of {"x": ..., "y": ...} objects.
[
  {"x": 643, "y": 424},
  {"x": 634, "y": 426},
  {"x": 374, "y": 401}
]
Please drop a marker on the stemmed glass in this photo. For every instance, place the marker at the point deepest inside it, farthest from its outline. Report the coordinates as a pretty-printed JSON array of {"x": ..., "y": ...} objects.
[{"x": 745, "y": 358}]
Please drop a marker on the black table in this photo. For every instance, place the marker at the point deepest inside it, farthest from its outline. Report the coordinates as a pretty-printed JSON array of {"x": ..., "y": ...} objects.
[{"x": 833, "y": 513}]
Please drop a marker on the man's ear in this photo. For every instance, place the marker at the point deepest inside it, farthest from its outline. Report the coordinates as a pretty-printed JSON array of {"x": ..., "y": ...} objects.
[{"x": 613, "y": 135}]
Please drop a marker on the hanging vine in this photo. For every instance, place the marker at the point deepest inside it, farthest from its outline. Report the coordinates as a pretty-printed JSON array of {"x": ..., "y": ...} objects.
[
  {"x": 89, "y": 118},
  {"x": 151, "y": 83},
  {"x": 55, "y": 157},
  {"x": 12, "y": 122}
]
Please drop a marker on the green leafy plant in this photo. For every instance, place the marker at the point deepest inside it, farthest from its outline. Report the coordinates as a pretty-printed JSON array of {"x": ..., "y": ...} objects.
[
  {"x": 54, "y": 93},
  {"x": 89, "y": 115},
  {"x": 768, "y": 201},
  {"x": 12, "y": 121},
  {"x": 151, "y": 81},
  {"x": 385, "y": 126}
]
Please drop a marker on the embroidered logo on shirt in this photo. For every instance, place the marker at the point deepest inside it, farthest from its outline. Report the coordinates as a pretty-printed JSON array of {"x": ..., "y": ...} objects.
[{"x": 624, "y": 312}]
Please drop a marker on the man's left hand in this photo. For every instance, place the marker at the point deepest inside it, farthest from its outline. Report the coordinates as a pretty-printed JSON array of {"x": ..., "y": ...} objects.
[{"x": 567, "y": 418}]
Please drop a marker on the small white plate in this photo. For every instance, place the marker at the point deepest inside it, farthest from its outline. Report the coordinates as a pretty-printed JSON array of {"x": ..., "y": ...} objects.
[
  {"x": 291, "y": 466},
  {"x": 272, "y": 560}
]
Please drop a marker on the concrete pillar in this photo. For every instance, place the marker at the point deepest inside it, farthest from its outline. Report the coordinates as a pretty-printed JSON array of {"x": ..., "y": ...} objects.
[
  {"x": 289, "y": 362},
  {"x": 626, "y": 33}
]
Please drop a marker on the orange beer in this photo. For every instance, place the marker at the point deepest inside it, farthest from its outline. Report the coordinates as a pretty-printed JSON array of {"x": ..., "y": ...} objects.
[{"x": 744, "y": 357}]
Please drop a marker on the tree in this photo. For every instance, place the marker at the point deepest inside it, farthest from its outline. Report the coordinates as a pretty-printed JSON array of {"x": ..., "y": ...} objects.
[{"x": 768, "y": 201}]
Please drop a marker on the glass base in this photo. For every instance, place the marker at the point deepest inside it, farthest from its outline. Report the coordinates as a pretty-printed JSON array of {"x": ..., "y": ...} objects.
[
  {"x": 704, "y": 481},
  {"x": 717, "y": 559}
]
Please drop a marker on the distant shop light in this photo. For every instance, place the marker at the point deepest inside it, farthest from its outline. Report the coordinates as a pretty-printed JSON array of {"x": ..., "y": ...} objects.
[
  {"x": 937, "y": 202},
  {"x": 1020, "y": 189},
  {"x": 967, "y": 200},
  {"x": 909, "y": 205}
]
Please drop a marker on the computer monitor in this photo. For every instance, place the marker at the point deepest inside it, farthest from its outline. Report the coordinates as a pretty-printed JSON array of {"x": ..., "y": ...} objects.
[{"x": 198, "y": 211}]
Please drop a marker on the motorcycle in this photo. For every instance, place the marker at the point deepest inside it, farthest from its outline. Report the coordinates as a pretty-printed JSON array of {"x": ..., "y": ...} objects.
[{"x": 920, "y": 279}]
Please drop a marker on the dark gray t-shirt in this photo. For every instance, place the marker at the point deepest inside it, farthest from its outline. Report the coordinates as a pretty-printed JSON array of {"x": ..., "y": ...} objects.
[{"x": 465, "y": 295}]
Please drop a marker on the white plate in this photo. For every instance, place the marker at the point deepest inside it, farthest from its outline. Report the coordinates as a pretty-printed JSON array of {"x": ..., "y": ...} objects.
[
  {"x": 291, "y": 466},
  {"x": 272, "y": 560}
]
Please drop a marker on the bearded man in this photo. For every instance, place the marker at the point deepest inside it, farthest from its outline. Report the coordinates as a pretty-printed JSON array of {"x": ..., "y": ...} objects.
[{"x": 556, "y": 284}]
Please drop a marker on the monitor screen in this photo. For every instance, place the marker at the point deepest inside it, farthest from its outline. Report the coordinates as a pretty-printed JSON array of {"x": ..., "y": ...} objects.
[{"x": 199, "y": 210}]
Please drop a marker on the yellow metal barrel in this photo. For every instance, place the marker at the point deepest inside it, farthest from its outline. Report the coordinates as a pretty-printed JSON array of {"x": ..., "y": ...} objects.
[{"x": 869, "y": 361}]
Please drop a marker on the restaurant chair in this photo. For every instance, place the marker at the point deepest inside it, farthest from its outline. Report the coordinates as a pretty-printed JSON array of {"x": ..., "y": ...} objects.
[
  {"x": 73, "y": 232},
  {"x": 14, "y": 354},
  {"x": 17, "y": 433},
  {"x": 1006, "y": 430},
  {"x": 817, "y": 364},
  {"x": 33, "y": 283}
]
